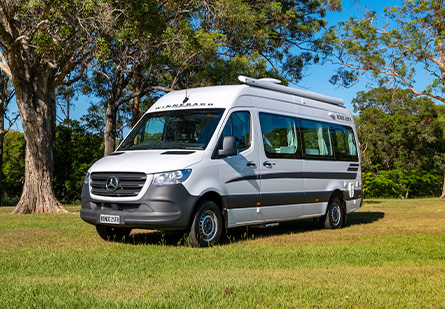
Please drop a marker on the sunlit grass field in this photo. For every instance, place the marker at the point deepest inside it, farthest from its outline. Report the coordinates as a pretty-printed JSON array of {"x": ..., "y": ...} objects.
[{"x": 390, "y": 254}]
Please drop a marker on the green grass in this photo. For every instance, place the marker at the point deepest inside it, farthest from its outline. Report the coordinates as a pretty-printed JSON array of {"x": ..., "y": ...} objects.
[{"x": 390, "y": 254}]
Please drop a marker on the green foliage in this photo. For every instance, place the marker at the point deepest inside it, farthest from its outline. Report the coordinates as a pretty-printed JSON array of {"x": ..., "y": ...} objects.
[
  {"x": 402, "y": 143},
  {"x": 13, "y": 165},
  {"x": 75, "y": 151},
  {"x": 61, "y": 32},
  {"x": 396, "y": 183},
  {"x": 407, "y": 41},
  {"x": 216, "y": 42}
]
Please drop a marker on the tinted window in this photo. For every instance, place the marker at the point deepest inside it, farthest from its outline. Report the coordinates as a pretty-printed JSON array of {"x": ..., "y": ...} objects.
[
  {"x": 280, "y": 136},
  {"x": 346, "y": 146},
  {"x": 317, "y": 139},
  {"x": 191, "y": 129},
  {"x": 238, "y": 125}
]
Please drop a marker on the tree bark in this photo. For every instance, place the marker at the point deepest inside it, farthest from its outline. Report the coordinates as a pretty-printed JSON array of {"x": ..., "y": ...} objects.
[
  {"x": 110, "y": 128},
  {"x": 443, "y": 188},
  {"x": 137, "y": 99},
  {"x": 2, "y": 139},
  {"x": 37, "y": 107}
]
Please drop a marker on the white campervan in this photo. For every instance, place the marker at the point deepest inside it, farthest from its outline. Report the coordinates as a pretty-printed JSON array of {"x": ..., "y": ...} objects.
[{"x": 207, "y": 159}]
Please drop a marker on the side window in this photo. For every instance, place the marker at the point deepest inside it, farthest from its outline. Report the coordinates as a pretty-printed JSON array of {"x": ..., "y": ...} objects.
[
  {"x": 317, "y": 139},
  {"x": 346, "y": 146},
  {"x": 280, "y": 136},
  {"x": 238, "y": 125}
]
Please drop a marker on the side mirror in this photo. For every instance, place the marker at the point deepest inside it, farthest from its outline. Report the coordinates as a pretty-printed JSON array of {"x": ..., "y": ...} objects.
[{"x": 229, "y": 147}]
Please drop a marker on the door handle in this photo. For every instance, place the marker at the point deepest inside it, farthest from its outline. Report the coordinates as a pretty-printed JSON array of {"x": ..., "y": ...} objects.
[
  {"x": 251, "y": 164},
  {"x": 268, "y": 163}
]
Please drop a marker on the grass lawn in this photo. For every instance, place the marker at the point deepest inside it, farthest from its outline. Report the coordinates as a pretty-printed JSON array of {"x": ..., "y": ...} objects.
[{"x": 390, "y": 254}]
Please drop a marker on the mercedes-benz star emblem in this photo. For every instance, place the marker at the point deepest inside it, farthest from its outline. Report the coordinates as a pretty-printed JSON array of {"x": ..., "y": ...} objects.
[{"x": 112, "y": 183}]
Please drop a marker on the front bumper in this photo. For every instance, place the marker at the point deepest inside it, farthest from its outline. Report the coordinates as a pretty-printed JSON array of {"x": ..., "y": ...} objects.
[{"x": 161, "y": 207}]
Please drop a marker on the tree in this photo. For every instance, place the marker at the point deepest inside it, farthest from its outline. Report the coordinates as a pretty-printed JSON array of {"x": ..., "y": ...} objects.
[
  {"x": 13, "y": 167},
  {"x": 41, "y": 42},
  {"x": 75, "y": 150},
  {"x": 187, "y": 44},
  {"x": 394, "y": 50},
  {"x": 402, "y": 143},
  {"x": 132, "y": 45},
  {"x": 66, "y": 92},
  {"x": 6, "y": 95}
]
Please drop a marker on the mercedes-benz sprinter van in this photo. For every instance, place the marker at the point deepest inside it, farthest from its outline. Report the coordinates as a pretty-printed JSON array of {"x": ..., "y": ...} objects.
[{"x": 207, "y": 159}]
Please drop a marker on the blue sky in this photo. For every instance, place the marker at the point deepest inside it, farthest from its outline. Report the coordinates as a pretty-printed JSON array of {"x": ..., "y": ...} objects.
[{"x": 317, "y": 76}]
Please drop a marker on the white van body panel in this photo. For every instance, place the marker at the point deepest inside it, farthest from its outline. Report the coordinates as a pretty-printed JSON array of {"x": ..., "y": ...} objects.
[
  {"x": 252, "y": 187},
  {"x": 142, "y": 161},
  {"x": 207, "y": 97}
]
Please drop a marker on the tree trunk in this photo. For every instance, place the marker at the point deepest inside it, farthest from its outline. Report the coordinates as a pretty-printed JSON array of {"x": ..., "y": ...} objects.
[
  {"x": 136, "y": 101},
  {"x": 443, "y": 188},
  {"x": 110, "y": 128},
  {"x": 37, "y": 108},
  {"x": 2, "y": 139}
]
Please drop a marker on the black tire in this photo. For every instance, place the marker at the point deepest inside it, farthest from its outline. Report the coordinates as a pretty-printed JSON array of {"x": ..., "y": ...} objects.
[
  {"x": 206, "y": 227},
  {"x": 110, "y": 233},
  {"x": 335, "y": 214}
]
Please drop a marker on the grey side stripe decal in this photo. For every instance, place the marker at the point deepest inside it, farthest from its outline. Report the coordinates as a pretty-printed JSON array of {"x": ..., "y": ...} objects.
[
  {"x": 352, "y": 169},
  {"x": 298, "y": 175},
  {"x": 288, "y": 198}
]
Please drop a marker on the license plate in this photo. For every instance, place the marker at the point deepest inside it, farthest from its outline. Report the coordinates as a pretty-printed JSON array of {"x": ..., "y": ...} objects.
[{"x": 110, "y": 219}]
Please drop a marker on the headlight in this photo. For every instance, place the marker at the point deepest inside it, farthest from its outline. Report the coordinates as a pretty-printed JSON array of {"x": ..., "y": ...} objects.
[
  {"x": 87, "y": 179},
  {"x": 171, "y": 178}
]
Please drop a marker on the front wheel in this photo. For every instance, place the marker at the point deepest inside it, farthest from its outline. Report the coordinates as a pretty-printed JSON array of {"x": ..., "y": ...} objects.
[
  {"x": 112, "y": 233},
  {"x": 335, "y": 215},
  {"x": 206, "y": 227}
]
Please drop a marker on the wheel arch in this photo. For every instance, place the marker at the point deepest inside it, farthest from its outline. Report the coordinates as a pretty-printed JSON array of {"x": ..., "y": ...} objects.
[
  {"x": 214, "y": 197},
  {"x": 338, "y": 193}
]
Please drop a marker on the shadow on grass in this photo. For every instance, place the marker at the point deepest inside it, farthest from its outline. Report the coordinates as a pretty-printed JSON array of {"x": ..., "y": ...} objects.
[
  {"x": 365, "y": 217},
  {"x": 234, "y": 235}
]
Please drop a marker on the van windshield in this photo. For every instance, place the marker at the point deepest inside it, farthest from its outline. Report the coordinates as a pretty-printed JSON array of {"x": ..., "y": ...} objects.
[{"x": 182, "y": 129}]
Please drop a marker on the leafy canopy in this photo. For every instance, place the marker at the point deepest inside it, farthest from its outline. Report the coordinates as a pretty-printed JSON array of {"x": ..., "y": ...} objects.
[
  {"x": 402, "y": 143},
  {"x": 396, "y": 47}
]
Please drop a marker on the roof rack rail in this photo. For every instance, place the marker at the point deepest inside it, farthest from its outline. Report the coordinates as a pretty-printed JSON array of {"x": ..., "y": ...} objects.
[{"x": 273, "y": 84}]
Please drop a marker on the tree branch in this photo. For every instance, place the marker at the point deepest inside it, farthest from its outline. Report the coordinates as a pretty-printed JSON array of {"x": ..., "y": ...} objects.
[
  {"x": 143, "y": 92},
  {"x": 4, "y": 65}
]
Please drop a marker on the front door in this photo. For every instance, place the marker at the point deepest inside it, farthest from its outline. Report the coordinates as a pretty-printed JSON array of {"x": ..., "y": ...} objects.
[{"x": 238, "y": 174}]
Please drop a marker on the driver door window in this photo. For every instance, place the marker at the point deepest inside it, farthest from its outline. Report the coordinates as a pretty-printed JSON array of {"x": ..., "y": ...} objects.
[{"x": 239, "y": 126}]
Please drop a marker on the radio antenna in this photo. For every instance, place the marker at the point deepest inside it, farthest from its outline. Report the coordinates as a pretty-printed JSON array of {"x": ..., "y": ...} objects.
[{"x": 186, "y": 88}]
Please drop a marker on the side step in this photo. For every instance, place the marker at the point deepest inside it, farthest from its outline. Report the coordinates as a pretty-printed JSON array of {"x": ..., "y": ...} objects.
[{"x": 267, "y": 225}]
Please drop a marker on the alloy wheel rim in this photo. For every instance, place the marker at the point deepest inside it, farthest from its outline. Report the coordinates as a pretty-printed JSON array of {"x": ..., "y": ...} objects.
[
  {"x": 208, "y": 225},
  {"x": 336, "y": 214}
]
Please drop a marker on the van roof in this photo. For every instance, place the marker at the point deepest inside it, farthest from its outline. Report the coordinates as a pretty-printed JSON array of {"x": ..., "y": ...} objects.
[
  {"x": 274, "y": 84},
  {"x": 218, "y": 96}
]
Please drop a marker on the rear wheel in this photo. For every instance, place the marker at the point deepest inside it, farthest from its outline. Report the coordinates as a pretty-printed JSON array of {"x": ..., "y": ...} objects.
[
  {"x": 335, "y": 214},
  {"x": 112, "y": 233},
  {"x": 206, "y": 227}
]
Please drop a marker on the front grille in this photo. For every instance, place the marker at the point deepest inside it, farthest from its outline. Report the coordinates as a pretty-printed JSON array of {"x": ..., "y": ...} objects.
[{"x": 128, "y": 184}]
